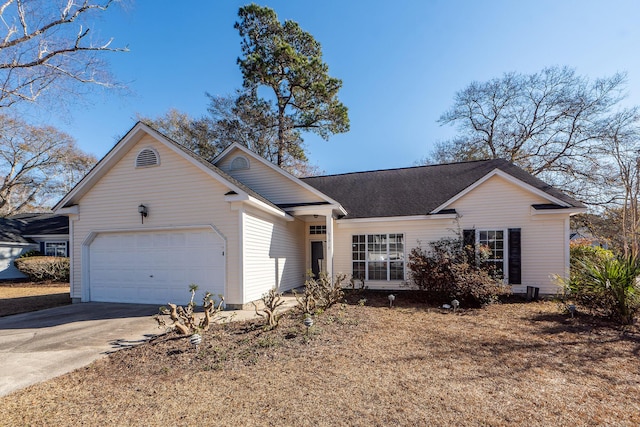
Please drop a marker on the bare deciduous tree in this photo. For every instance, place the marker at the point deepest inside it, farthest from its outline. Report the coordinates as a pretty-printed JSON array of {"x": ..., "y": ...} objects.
[
  {"x": 242, "y": 118},
  {"x": 38, "y": 164},
  {"x": 549, "y": 123},
  {"x": 46, "y": 46},
  {"x": 195, "y": 134},
  {"x": 620, "y": 156}
]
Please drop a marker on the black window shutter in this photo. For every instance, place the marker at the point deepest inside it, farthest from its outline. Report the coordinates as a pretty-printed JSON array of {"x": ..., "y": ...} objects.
[
  {"x": 42, "y": 248},
  {"x": 469, "y": 242},
  {"x": 515, "y": 250}
]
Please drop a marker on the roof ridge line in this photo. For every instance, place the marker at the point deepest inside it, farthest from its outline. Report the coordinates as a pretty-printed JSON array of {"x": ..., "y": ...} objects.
[{"x": 405, "y": 168}]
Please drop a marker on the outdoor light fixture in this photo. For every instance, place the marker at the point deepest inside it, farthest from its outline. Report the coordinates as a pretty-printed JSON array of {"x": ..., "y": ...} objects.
[
  {"x": 143, "y": 211},
  {"x": 392, "y": 298},
  {"x": 308, "y": 322},
  {"x": 195, "y": 340}
]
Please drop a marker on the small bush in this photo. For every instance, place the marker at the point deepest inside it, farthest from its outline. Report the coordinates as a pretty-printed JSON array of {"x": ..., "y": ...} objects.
[
  {"x": 42, "y": 268},
  {"x": 450, "y": 270}
]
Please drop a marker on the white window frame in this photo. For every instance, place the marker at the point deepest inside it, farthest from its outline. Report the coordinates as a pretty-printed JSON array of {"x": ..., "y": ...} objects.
[
  {"x": 388, "y": 259},
  {"x": 57, "y": 242},
  {"x": 317, "y": 230},
  {"x": 505, "y": 249}
]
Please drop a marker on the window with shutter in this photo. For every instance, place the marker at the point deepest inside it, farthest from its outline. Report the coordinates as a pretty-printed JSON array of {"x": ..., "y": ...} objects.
[{"x": 515, "y": 264}]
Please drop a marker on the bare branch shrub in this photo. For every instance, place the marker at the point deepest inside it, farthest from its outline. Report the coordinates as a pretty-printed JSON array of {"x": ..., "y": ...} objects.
[
  {"x": 271, "y": 301},
  {"x": 185, "y": 320},
  {"x": 41, "y": 268},
  {"x": 320, "y": 294}
]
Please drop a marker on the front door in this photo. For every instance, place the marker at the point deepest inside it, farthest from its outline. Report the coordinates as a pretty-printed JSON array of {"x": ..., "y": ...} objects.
[{"x": 317, "y": 255}]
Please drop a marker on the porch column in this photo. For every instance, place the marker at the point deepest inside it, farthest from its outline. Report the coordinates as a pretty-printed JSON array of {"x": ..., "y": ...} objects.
[{"x": 329, "y": 263}]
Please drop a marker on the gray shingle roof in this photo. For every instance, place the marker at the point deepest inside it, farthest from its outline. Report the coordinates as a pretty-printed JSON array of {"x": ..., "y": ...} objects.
[
  {"x": 416, "y": 190},
  {"x": 15, "y": 228},
  {"x": 11, "y": 231}
]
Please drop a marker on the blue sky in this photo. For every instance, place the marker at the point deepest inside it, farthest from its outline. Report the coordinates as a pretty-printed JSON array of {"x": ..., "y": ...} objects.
[{"x": 401, "y": 63}]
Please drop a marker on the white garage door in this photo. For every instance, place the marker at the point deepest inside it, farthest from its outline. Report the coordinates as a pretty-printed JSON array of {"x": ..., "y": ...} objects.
[{"x": 155, "y": 267}]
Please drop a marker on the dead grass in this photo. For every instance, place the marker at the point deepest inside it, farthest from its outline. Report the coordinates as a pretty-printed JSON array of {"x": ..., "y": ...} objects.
[
  {"x": 510, "y": 364},
  {"x": 22, "y": 297}
]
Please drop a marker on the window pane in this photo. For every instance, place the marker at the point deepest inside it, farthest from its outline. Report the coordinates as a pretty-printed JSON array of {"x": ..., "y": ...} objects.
[
  {"x": 55, "y": 249},
  {"x": 494, "y": 241},
  {"x": 380, "y": 256},
  {"x": 396, "y": 271},
  {"x": 358, "y": 270},
  {"x": 377, "y": 270}
]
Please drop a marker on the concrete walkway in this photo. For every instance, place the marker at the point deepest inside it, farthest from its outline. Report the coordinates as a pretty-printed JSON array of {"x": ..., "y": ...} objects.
[{"x": 41, "y": 345}]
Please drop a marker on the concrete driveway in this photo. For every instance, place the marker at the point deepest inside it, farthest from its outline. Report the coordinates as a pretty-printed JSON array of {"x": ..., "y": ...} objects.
[{"x": 37, "y": 346}]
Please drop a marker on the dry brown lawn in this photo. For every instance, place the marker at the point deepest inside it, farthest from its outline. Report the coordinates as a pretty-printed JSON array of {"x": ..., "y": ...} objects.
[
  {"x": 413, "y": 365},
  {"x": 21, "y": 297}
]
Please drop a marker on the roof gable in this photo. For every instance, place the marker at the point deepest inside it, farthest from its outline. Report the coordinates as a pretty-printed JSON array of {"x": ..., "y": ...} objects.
[
  {"x": 424, "y": 190},
  {"x": 135, "y": 135},
  {"x": 269, "y": 180}
]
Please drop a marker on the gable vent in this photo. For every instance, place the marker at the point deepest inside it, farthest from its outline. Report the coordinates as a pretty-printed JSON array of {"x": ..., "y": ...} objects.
[
  {"x": 147, "y": 157},
  {"x": 239, "y": 163}
]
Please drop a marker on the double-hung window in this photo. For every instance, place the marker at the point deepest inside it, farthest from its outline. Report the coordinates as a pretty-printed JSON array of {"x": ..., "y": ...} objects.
[
  {"x": 55, "y": 249},
  {"x": 494, "y": 242},
  {"x": 502, "y": 250},
  {"x": 378, "y": 256}
]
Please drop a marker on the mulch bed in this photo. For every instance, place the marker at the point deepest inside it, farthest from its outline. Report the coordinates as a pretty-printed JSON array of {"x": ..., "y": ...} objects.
[{"x": 362, "y": 363}]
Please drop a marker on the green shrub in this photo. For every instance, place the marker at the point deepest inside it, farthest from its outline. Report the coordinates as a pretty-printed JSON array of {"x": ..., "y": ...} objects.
[
  {"x": 42, "y": 268},
  {"x": 30, "y": 253},
  {"x": 450, "y": 270},
  {"x": 608, "y": 287},
  {"x": 581, "y": 253}
]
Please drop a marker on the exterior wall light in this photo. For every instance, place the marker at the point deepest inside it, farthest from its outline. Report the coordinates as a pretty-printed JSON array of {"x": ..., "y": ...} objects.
[{"x": 143, "y": 211}]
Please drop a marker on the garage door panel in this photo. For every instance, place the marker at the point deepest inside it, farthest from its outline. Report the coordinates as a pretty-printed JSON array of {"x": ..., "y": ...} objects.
[{"x": 155, "y": 267}]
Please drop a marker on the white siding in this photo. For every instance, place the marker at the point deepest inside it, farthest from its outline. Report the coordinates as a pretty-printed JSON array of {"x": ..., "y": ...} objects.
[
  {"x": 267, "y": 182},
  {"x": 499, "y": 204},
  {"x": 273, "y": 255},
  {"x": 176, "y": 193},
  {"x": 496, "y": 204}
]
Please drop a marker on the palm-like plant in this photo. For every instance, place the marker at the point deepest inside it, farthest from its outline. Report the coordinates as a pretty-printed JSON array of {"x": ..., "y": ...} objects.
[{"x": 611, "y": 286}]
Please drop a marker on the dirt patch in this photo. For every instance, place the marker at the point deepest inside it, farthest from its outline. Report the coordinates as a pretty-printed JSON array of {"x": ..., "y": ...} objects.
[
  {"x": 362, "y": 363},
  {"x": 22, "y": 297}
]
